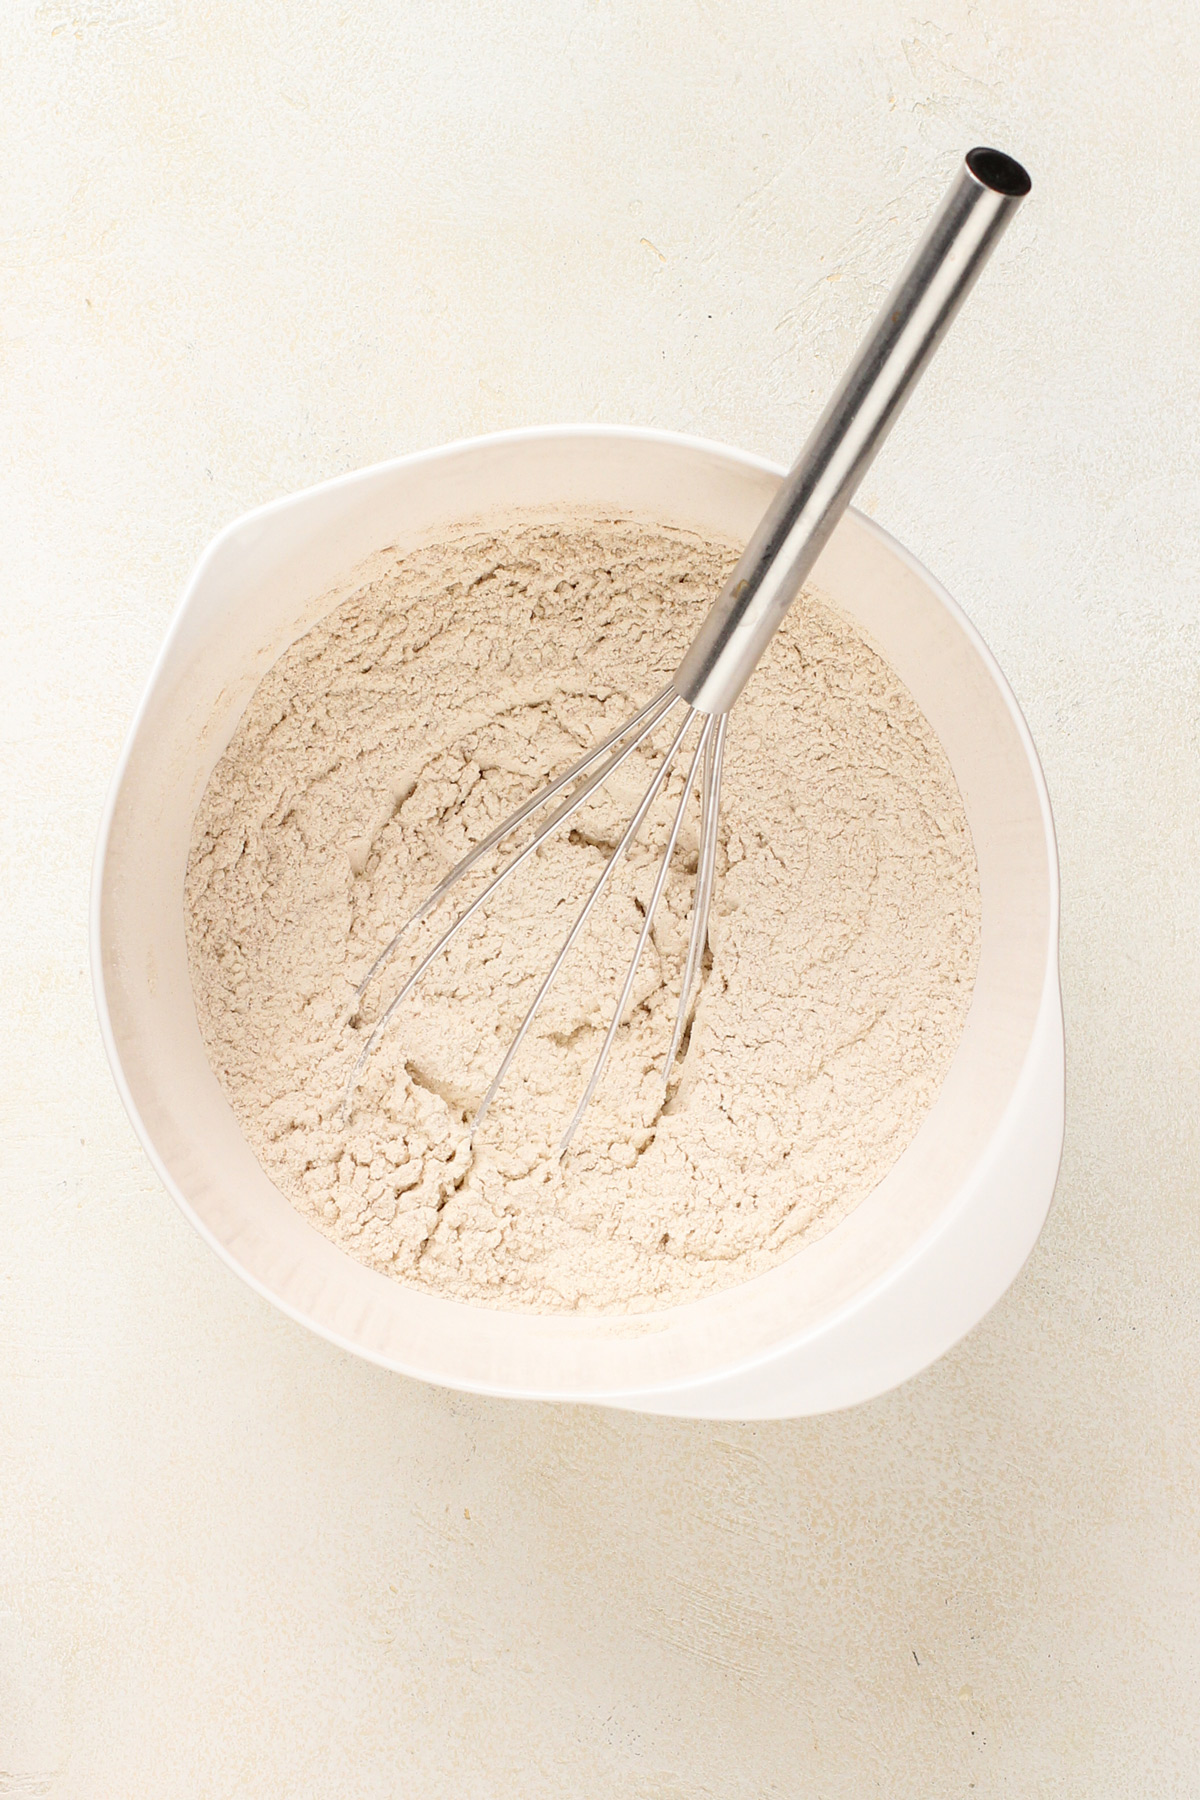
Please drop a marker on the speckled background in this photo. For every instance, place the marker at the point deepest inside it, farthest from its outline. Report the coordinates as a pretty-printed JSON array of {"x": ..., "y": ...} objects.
[{"x": 246, "y": 246}]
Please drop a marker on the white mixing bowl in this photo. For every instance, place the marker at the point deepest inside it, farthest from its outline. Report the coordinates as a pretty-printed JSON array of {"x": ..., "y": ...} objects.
[{"x": 891, "y": 1287}]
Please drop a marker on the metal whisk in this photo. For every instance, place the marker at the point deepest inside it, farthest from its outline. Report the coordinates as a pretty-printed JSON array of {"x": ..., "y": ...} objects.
[{"x": 736, "y": 631}]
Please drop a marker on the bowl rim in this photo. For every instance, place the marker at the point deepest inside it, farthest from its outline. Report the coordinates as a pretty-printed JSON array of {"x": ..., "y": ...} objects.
[{"x": 630, "y": 1392}]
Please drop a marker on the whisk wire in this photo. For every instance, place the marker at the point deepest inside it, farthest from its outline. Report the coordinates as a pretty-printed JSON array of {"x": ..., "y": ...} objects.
[
  {"x": 664, "y": 869},
  {"x": 621, "y": 850},
  {"x": 710, "y": 813},
  {"x": 651, "y": 717}
]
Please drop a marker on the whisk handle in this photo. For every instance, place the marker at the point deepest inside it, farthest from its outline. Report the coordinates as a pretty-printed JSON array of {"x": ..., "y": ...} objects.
[{"x": 797, "y": 524}]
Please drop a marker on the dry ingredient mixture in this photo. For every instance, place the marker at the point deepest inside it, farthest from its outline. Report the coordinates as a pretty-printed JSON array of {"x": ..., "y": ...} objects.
[{"x": 445, "y": 686}]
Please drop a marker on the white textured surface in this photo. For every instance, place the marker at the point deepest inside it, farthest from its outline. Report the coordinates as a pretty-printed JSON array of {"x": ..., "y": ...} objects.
[{"x": 245, "y": 247}]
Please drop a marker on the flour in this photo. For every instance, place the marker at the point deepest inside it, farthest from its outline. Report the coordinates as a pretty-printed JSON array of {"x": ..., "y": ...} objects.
[{"x": 447, "y": 685}]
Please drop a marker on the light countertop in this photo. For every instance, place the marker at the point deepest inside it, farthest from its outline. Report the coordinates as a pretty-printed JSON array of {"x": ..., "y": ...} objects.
[{"x": 245, "y": 247}]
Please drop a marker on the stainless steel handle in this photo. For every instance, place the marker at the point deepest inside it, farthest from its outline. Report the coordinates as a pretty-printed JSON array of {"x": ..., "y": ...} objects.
[{"x": 797, "y": 524}]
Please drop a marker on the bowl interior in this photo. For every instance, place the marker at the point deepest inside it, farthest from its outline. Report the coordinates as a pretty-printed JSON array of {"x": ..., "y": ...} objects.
[{"x": 257, "y": 589}]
